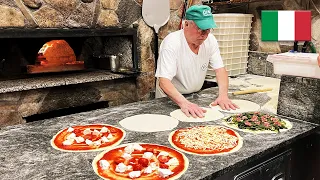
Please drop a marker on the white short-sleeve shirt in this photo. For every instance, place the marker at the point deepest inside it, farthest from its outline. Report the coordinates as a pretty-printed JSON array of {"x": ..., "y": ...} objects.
[{"x": 183, "y": 67}]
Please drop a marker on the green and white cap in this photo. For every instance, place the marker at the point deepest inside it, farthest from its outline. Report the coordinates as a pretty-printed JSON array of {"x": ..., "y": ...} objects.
[{"x": 202, "y": 16}]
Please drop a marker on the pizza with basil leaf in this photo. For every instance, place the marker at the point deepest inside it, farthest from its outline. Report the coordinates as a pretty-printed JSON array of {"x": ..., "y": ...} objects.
[
  {"x": 140, "y": 161},
  {"x": 89, "y": 137}
]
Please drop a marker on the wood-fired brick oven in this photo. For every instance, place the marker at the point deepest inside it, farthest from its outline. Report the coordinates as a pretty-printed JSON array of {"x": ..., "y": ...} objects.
[
  {"x": 33, "y": 51},
  {"x": 35, "y": 84}
]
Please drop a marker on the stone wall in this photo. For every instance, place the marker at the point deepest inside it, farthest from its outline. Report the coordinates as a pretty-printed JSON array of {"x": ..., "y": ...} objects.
[
  {"x": 300, "y": 98},
  {"x": 15, "y": 106},
  {"x": 258, "y": 64},
  {"x": 176, "y": 8}
]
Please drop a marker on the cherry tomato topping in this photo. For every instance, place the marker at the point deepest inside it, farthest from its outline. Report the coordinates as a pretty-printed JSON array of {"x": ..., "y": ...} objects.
[
  {"x": 163, "y": 166},
  {"x": 149, "y": 150},
  {"x": 112, "y": 130},
  {"x": 137, "y": 167},
  {"x": 133, "y": 160},
  {"x": 144, "y": 162},
  {"x": 119, "y": 160},
  {"x": 163, "y": 159},
  {"x": 154, "y": 151},
  {"x": 77, "y": 131}
]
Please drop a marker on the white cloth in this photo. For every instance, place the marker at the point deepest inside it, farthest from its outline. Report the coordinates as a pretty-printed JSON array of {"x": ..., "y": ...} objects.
[{"x": 186, "y": 70}]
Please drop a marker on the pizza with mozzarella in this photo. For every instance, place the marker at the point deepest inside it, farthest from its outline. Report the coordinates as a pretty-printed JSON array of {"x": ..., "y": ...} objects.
[
  {"x": 206, "y": 140},
  {"x": 89, "y": 137},
  {"x": 140, "y": 161}
]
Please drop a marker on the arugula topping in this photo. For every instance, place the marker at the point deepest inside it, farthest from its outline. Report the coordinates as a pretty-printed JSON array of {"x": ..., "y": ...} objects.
[{"x": 257, "y": 121}]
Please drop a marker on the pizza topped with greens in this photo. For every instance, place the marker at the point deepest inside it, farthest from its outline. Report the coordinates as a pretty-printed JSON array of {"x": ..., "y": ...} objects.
[{"x": 257, "y": 122}]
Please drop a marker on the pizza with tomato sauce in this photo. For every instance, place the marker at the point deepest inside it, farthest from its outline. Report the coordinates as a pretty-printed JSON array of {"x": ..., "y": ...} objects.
[
  {"x": 140, "y": 161},
  {"x": 206, "y": 140},
  {"x": 90, "y": 137}
]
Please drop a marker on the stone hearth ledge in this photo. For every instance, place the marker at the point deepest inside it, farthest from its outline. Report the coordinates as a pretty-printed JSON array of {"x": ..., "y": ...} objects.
[
  {"x": 26, "y": 153},
  {"x": 57, "y": 80}
]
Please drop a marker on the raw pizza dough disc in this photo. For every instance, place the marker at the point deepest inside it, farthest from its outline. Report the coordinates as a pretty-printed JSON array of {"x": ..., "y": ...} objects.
[
  {"x": 210, "y": 115},
  {"x": 244, "y": 106},
  {"x": 149, "y": 123}
]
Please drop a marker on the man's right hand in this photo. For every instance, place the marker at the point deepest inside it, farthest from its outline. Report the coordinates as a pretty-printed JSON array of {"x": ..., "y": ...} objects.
[
  {"x": 191, "y": 109},
  {"x": 188, "y": 108}
]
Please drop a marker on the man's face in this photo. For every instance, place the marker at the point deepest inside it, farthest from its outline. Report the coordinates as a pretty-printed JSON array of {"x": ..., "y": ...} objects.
[{"x": 198, "y": 35}]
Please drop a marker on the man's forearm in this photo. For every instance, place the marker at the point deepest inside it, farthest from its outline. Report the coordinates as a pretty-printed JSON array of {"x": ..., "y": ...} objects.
[
  {"x": 223, "y": 81},
  {"x": 171, "y": 91}
]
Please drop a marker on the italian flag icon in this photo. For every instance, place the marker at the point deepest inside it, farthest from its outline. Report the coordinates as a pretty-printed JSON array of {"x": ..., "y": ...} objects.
[{"x": 285, "y": 25}]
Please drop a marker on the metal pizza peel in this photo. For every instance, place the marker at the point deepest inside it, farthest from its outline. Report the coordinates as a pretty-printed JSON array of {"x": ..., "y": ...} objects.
[{"x": 156, "y": 13}]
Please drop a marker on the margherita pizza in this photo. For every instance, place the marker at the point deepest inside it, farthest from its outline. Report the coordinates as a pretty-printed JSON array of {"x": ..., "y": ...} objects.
[
  {"x": 206, "y": 140},
  {"x": 90, "y": 137},
  {"x": 140, "y": 161},
  {"x": 257, "y": 122}
]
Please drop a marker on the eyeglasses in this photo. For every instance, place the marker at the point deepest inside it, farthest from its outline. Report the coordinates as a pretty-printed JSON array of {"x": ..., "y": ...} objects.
[
  {"x": 200, "y": 31},
  {"x": 203, "y": 32}
]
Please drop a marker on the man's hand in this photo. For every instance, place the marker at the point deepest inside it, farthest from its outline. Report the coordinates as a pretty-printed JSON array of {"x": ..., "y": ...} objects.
[
  {"x": 223, "y": 81},
  {"x": 225, "y": 103},
  {"x": 192, "y": 109},
  {"x": 186, "y": 106}
]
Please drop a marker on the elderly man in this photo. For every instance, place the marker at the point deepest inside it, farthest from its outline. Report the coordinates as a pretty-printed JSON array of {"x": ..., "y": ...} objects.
[{"x": 184, "y": 57}]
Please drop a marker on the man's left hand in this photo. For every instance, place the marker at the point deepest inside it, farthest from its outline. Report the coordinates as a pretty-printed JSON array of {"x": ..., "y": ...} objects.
[{"x": 225, "y": 103}]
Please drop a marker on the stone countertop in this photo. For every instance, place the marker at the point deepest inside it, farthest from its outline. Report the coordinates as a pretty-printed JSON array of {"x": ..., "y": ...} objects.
[{"x": 26, "y": 153}]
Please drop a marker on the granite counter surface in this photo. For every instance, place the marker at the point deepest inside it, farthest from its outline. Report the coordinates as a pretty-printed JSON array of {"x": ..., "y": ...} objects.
[{"x": 26, "y": 153}]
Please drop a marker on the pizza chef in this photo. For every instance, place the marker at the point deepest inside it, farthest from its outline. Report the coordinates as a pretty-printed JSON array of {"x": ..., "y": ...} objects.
[{"x": 183, "y": 60}]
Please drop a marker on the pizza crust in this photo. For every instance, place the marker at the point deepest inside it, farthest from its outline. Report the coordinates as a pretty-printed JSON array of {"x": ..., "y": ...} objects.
[
  {"x": 210, "y": 115},
  {"x": 235, "y": 149},
  {"x": 244, "y": 106},
  {"x": 99, "y": 156},
  {"x": 90, "y": 150},
  {"x": 234, "y": 126},
  {"x": 149, "y": 123}
]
